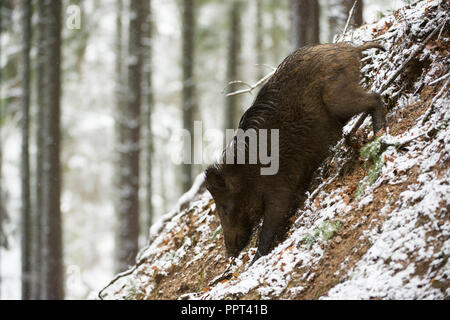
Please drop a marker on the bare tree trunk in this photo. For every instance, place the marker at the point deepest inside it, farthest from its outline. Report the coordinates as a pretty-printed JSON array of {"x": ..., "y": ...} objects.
[
  {"x": 120, "y": 135},
  {"x": 119, "y": 107},
  {"x": 259, "y": 41},
  {"x": 313, "y": 33},
  {"x": 127, "y": 244},
  {"x": 234, "y": 48},
  {"x": 358, "y": 13},
  {"x": 38, "y": 208},
  {"x": 188, "y": 96},
  {"x": 25, "y": 169},
  {"x": 305, "y": 28},
  {"x": 149, "y": 102},
  {"x": 300, "y": 10},
  {"x": 52, "y": 259},
  {"x": 2, "y": 235}
]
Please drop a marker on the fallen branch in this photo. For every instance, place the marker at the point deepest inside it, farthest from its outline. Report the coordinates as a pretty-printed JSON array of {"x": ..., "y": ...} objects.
[
  {"x": 439, "y": 79},
  {"x": 391, "y": 79},
  {"x": 250, "y": 86}
]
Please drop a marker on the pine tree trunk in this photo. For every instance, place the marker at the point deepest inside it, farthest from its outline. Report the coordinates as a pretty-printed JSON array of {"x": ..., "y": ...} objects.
[
  {"x": 38, "y": 208},
  {"x": 128, "y": 233},
  {"x": 259, "y": 41},
  {"x": 300, "y": 10},
  {"x": 188, "y": 95},
  {"x": 2, "y": 236},
  {"x": 52, "y": 259},
  {"x": 120, "y": 122},
  {"x": 148, "y": 98},
  {"x": 358, "y": 14},
  {"x": 314, "y": 24},
  {"x": 234, "y": 47},
  {"x": 305, "y": 27},
  {"x": 26, "y": 237},
  {"x": 119, "y": 109}
]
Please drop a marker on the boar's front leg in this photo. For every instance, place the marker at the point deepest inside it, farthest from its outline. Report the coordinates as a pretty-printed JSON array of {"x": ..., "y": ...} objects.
[
  {"x": 276, "y": 216},
  {"x": 345, "y": 99}
]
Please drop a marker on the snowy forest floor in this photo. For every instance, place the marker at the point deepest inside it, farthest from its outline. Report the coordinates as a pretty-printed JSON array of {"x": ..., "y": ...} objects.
[{"x": 376, "y": 222}]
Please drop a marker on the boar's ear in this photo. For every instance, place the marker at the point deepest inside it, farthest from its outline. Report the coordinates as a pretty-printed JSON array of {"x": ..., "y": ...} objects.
[{"x": 214, "y": 179}]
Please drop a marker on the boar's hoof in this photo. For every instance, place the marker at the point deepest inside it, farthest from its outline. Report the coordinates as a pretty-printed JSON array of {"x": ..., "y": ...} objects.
[{"x": 256, "y": 257}]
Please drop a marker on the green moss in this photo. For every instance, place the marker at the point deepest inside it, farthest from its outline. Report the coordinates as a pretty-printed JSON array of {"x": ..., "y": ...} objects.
[
  {"x": 134, "y": 293},
  {"x": 325, "y": 232},
  {"x": 372, "y": 153}
]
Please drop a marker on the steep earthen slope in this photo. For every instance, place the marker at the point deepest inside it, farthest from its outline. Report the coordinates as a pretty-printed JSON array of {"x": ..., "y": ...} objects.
[{"x": 376, "y": 222}]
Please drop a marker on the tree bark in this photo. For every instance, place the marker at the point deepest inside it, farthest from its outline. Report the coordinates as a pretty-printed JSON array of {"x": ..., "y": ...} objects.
[
  {"x": 52, "y": 259},
  {"x": 313, "y": 33},
  {"x": 2, "y": 214},
  {"x": 358, "y": 13},
  {"x": 234, "y": 48},
  {"x": 188, "y": 95},
  {"x": 119, "y": 107},
  {"x": 149, "y": 102},
  {"x": 300, "y": 10},
  {"x": 305, "y": 27},
  {"x": 26, "y": 237},
  {"x": 127, "y": 245},
  {"x": 259, "y": 41},
  {"x": 38, "y": 207}
]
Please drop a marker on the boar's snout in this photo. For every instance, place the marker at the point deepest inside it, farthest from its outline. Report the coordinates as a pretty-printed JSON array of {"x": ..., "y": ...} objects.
[{"x": 235, "y": 241}]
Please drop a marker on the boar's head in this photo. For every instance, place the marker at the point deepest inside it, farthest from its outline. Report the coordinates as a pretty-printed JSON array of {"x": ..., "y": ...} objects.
[{"x": 237, "y": 204}]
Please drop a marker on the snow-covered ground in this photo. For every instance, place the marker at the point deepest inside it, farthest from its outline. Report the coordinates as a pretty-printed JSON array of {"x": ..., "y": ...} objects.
[{"x": 352, "y": 239}]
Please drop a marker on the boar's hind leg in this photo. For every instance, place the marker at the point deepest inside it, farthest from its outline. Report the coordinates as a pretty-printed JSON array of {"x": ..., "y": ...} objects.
[
  {"x": 345, "y": 100},
  {"x": 378, "y": 115},
  {"x": 276, "y": 215}
]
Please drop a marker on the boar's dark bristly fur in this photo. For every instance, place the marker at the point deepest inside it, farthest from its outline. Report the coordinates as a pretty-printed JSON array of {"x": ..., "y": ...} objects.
[{"x": 313, "y": 93}]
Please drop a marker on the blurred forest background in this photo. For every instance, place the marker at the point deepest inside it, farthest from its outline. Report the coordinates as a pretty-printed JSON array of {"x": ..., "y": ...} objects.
[{"x": 93, "y": 95}]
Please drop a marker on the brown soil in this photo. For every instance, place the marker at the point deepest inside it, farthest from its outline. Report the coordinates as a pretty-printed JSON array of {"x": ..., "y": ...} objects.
[{"x": 179, "y": 279}]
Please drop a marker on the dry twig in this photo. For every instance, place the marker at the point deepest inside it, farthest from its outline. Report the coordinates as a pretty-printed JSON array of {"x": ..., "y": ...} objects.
[
  {"x": 350, "y": 15},
  {"x": 251, "y": 87}
]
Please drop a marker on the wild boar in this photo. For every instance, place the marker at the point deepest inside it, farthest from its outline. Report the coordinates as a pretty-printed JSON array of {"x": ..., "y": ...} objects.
[{"x": 310, "y": 97}]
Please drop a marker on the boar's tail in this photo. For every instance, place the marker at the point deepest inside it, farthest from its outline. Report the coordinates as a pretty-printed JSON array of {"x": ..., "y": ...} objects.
[{"x": 371, "y": 45}]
